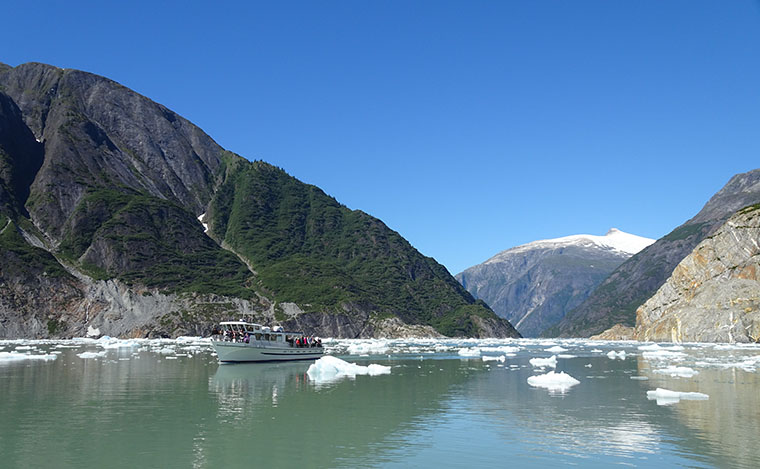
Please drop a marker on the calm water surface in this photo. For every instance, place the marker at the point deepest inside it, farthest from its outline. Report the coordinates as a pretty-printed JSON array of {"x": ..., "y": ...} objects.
[{"x": 86, "y": 403}]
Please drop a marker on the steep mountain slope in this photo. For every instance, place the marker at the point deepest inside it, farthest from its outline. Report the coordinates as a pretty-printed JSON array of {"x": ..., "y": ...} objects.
[
  {"x": 100, "y": 194},
  {"x": 714, "y": 293},
  {"x": 535, "y": 284},
  {"x": 615, "y": 301}
]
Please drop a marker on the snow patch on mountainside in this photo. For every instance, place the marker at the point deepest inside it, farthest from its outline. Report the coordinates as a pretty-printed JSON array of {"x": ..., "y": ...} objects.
[{"x": 615, "y": 240}]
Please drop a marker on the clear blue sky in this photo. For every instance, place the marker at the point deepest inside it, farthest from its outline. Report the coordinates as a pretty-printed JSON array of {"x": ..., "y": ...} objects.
[{"x": 469, "y": 127}]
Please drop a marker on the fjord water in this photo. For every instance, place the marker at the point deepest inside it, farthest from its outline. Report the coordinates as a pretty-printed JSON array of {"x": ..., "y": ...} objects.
[{"x": 111, "y": 403}]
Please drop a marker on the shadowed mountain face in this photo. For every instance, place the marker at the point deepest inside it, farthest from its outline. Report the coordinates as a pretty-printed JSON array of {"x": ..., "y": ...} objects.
[
  {"x": 102, "y": 188},
  {"x": 616, "y": 299},
  {"x": 534, "y": 285}
]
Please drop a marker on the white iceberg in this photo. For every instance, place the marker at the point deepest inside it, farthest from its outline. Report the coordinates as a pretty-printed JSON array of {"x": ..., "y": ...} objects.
[
  {"x": 15, "y": 356},
  {"x": 678, "y": 371},
  {"x": 550, "y": 362},
  {"x": 329, "y": 368},
  {"x": 489, "y": 358},
  {"x": 556, "y": 349},
  {"x": 372, "y": 346},
  {"x": 469, "y": 352},
  {"x": 613, "y": 355},
  {"x": 663, "y": 354},
  {"x": 667, "y": 397},
  {"x": 92, "y": 354},
  {"x": 552, "y": 381}
]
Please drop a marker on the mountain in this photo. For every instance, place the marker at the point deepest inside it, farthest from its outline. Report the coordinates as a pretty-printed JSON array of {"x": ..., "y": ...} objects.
[
  {"x": 713, "y": 294},
  {"x": 616, "y": 299},
  {"x": 120, "y": 217},
  {"x": 535, "y": 284}
]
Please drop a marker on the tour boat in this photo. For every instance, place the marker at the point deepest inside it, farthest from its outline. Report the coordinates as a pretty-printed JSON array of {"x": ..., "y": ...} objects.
[{"x": 241, "y": 341}]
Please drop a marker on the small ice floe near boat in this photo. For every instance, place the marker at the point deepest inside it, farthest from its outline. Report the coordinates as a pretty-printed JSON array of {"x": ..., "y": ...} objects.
[
  {"x": 550, "y": 362},
  {"x": 368, "y": 347},
  {"x": 16, "y": 356},
  {"x": 612, "y": 355},
  {"x": 555, "y": 382},
  {"x": 328, "y": 369},
  {"x": 677, "y": 371},
  {"x": 667, "y": 397}
]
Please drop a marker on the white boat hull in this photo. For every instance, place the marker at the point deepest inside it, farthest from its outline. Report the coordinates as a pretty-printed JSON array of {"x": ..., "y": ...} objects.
[{"x": 242, "y": 352}]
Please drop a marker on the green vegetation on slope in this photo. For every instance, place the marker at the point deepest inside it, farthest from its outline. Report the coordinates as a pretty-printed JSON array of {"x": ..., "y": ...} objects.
[
  {"x": 145, "y": 240},
  {"x": 309, "y": 249}
]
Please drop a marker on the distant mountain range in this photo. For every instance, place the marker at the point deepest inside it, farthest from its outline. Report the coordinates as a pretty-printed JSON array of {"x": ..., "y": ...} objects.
[
  {"x": 120, "y": 217},
  {"x": 535, "y": 284}
]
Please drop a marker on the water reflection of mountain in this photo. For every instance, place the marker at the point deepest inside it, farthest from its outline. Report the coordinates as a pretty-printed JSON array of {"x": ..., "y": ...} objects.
[
  {"x": 353, "y": 422},
  {"x": 729, "y": 422}
]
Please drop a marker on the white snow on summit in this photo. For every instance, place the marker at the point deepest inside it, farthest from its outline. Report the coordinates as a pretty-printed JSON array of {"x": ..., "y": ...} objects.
[{"x": 614, "y": 240}]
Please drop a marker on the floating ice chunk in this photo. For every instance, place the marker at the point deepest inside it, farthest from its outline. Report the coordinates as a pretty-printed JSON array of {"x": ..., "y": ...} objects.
[
  {"x": 15, "y": 356},
  {"x": 551, "y": 362},
  {"x": 667, "y": 397},
  {"x": 640, "y": 378},
  {"x": 556, "y": 349},
  {"x": 488, "y": 358},
  {"x": 677, "y": 371},
  {"x": 329, "y": 368},
  {"x": 166, "y": 350},
  {"x": 596, "y": 350},
  {"x": 92, "y": 354},
  {"x": 663, "y": 354},
  {"x": 92, "y": 332},
  {"x": 368, "y": 347},
  {"x": 24, "y": 347},
  {"x": 552, "y": 381},
  {"x": 566, "y": 356},
  {"x": 588, "y": 365},
  {"x": 613, "y": 355},
  {"x": 469, "y": 352}
]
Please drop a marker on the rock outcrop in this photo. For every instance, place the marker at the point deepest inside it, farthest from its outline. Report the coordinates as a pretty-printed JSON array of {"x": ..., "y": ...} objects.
[
  {"x": 102, "y": 193},
  {"x": 616, "y": 299},
  {"x": 713, "y": 294}
]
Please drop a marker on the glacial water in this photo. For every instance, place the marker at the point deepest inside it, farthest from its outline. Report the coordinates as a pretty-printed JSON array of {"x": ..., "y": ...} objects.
[{"x": 442, "y": 403}]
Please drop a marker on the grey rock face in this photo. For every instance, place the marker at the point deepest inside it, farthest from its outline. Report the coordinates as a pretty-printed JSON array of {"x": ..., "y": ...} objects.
[
  {"x": 616, "y": 299},
  {"x": 98, "y": 133},
  {"x": 100, "y": 190},
  {"x": 534, "y": 288},
  {"x": 713, "y": 294}
]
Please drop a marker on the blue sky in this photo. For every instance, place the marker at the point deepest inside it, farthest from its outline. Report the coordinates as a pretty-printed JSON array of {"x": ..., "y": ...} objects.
[{"x": 469, "y": 127}]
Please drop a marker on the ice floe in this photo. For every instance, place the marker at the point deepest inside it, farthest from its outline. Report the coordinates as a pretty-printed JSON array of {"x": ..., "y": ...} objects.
[
  {"x": 489, "y": 358},
  {"x": 556, "y": 349},
  {"x": 558, "y": 382},
  {"x": 612, "y": 355},
  {"x": 368, "y": 347},
  {"x": 329, "y": 368},
  {"x": 677, "y": 371},
  {"x": 667, "y": 397},
  {"x": 550, "y": 362},
  {"x": 469, "y": 352},
  {"x": 16, "y": 356},
  {"x": 92, "y": 354}
]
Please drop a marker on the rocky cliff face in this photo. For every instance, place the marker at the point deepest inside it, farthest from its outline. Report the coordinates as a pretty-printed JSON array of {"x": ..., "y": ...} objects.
[
  {"x": 101, "y": 191},
  {"x": 534, "y": 285},
  {"x": 616, "y": 299},
  {"x": 713, "y": 294}
]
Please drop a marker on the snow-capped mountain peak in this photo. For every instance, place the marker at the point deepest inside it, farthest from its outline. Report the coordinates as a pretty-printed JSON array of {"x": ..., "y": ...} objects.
[{"x": 614, "y": 240}]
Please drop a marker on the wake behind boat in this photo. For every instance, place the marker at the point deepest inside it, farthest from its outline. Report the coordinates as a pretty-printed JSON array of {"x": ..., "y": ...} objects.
[{"x": 240, "y": 341}]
